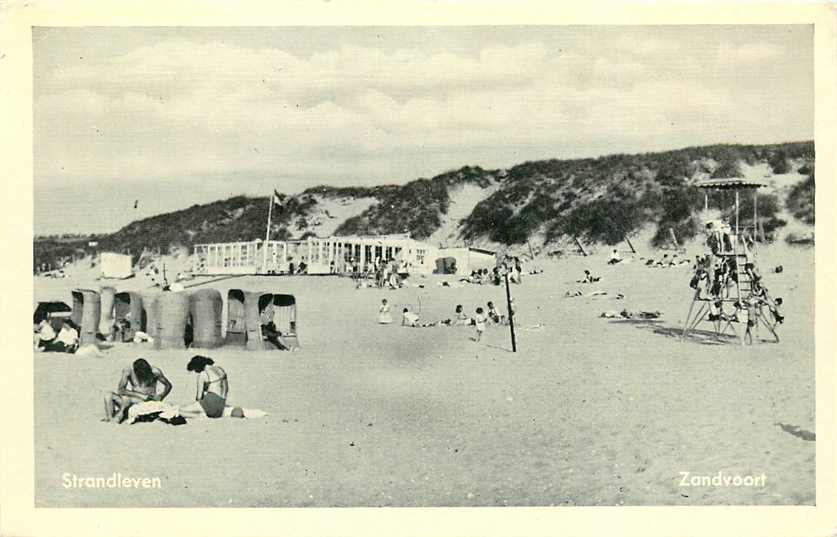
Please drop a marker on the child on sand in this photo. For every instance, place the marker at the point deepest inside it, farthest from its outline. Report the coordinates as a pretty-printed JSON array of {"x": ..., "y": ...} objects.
[
  {"x": 479, "y": 322},
  {"x": 409, "y": 318},
  {"x": 384, "y": 316},
  {"x": 493, "y": 314},
  {"x": 461, "y": 319}
]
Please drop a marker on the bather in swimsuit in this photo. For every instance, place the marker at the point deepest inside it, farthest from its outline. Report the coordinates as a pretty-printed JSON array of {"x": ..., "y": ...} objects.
[{"x": 212, "y": 403}]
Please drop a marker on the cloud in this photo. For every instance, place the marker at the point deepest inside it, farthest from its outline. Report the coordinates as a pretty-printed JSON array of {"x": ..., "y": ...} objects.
[{"x": 178, "y": 108}]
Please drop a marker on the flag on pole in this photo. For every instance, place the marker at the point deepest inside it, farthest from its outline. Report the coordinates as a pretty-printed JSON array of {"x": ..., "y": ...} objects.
[{"x": 277, "y": 199}]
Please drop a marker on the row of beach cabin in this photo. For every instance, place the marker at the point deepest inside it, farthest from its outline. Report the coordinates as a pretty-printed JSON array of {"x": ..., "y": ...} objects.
[
  {"x": 176, "y": 320},
  {"x": 337, "y": 255}
]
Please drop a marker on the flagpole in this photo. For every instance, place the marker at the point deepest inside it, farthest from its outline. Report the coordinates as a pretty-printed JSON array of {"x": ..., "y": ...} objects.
[{"x": 267, "y": 233}]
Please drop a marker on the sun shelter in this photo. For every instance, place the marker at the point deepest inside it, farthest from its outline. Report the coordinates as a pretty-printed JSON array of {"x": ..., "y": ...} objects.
[
  {"x": 117, "y": 266},
  {"x": 78, "y": 306},
  {"x": 47, "y": 310},
  {"x": 283, "y": 316},
  {"x": 248, "y": 311},
  {"x": 172, "y": 321},
  {"x": 236, "y": 325},
  {"x": 128, "y": 312},
  {"x": 150, "y": 314},
  {"x": 87, "y": 309},
  {"x": 107, "y": 297},
  {"x": 205, "y": 310}
]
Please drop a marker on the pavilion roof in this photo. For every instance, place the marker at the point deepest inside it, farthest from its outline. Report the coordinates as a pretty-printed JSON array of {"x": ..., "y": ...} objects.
[{"x": 728, "y": 183}]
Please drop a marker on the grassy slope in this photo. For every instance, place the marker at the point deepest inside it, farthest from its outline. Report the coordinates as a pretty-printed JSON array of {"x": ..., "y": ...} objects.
[{"x": 600, "y": 199}]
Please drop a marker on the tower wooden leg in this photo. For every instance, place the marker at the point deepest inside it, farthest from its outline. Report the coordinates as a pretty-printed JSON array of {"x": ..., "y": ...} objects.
[{"x": 687, "y": 320}]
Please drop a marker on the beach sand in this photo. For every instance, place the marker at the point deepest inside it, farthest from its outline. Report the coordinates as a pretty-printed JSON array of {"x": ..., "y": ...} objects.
[{"x": 589, "y": 411}]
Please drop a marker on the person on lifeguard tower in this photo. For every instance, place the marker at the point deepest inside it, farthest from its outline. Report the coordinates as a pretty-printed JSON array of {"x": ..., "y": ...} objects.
[{"x": 719, "y": 237}]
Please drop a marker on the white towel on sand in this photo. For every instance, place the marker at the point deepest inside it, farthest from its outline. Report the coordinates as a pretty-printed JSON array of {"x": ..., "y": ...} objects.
[{"x": 165, "y": 410}]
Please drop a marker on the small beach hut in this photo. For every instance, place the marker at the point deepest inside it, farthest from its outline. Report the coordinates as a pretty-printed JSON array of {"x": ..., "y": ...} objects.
[
  {"x": 445, "y": 265},
  {"x": 205, "y": 310},
  {"x": 149, "y": 314},
  {"x": 86, "y": 313},
  {"x": 245, "y": 313},
  {"x": 173, "y": 329},
  {"x": 46, "y": 310},
  {"x": 128, "y": 307},
  {"x": 107, "y": 298},
  {"x": 236, "y": 325},
  {"x": 284, "y": 318},
  {"x": 117, "y": 266}
]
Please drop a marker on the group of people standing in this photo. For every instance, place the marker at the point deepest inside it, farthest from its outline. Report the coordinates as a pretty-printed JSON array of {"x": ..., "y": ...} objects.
[{"x": 385, "y": 273}]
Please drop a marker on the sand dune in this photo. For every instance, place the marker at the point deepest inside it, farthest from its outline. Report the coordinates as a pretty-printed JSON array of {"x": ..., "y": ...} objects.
[{"x": 590, "y": 411}]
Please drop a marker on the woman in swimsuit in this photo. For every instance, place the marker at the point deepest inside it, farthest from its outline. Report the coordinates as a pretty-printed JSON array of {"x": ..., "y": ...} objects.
[{"x": 212, "y": 389}]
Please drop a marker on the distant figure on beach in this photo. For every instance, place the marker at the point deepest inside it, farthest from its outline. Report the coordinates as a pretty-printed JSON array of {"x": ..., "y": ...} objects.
[
  {"x": 493, "y": 313},
  {"x": 408, "y": 318},
  {"x": 67, "y": 337},
  {"x": 479, "y": 322},
  {"x": 211, "y": 391},
  {"x": 589, "y": 278},
  {"x": 614, "y": 258},
  {"x": 46, "y": 334},
  {"x": 143, "y": 379},
  {"x": 460, "y": 318},
  {"x": 270, "y": 332},
  {"x": 384, "y": 316},
  {"x": 65, "y": 340}
]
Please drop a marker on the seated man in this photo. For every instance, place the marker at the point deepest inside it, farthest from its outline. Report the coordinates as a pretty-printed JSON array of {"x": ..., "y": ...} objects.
[
  {"x": 273, "y": 335},
  {"x": 614, "y": 258},
  {"x": 143, "y": 379}
]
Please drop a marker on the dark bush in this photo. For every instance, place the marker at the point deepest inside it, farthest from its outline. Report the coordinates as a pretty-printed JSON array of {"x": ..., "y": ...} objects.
[{"x": 801, "y": 199}]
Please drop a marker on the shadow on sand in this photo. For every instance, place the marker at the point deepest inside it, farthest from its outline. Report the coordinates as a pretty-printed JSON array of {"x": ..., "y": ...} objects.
[{"x": 657, "y": 326}]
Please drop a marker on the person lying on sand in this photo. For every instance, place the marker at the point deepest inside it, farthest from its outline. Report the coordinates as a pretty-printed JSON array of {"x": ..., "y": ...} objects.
[
  {"x": 593, "y": 294},
  {"x": 588, "y": 278},
  {"x": 625, "y": 314},
  {"x": 143, "y": 380},
  {"x": 409, "y": 318}
]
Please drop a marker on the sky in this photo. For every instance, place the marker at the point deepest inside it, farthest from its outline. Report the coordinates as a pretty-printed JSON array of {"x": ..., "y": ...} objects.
[{"x": 172, "y": 117}]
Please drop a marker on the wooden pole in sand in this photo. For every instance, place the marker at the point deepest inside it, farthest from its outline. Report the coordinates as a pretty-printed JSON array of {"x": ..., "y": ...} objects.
[
  {"x": 511, "y": 312},
  {"x": 673, "y": 237},
  {"x": 580, "y": 246},
  {"x": 631, "y": 246}
]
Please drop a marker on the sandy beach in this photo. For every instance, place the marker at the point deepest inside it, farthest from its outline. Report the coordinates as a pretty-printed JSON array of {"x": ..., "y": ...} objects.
[{"x": 589, "y": 411}]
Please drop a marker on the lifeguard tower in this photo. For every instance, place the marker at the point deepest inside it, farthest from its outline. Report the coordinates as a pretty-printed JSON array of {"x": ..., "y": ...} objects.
[{"x": 728, "y": 290}]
